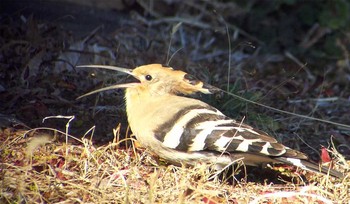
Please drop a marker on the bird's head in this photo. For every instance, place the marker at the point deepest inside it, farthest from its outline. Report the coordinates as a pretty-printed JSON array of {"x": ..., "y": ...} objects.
[{"x": 158, "y": 79}]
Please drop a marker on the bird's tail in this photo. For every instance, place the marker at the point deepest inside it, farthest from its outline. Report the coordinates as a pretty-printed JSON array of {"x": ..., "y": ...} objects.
[{"x": 311, "y": 166}]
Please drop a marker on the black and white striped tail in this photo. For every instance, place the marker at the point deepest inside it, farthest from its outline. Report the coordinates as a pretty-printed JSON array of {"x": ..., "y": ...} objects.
[{"x": 310, "y": 166}]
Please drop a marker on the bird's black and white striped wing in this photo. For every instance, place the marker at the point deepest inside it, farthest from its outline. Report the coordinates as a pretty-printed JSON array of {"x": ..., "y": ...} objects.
[{"x": 204, "y": 128}]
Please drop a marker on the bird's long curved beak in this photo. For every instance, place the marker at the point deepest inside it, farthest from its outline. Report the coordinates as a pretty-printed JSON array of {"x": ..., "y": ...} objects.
[
  {"x": 114, "y": 68},
  {"x": 117, "y": 86}
]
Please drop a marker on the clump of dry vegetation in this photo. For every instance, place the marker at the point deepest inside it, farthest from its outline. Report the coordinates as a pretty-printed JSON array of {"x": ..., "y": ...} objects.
[
  {"x": 285, "y": 54},
  {"x": 37, "y": 168}
]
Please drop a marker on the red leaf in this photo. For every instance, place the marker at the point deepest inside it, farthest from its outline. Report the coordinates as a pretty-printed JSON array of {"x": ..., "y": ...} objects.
[
  {"x": 208, "y": 201},
  {"x": 325, "y": 158},
  {"x": 61, "y": 176}
]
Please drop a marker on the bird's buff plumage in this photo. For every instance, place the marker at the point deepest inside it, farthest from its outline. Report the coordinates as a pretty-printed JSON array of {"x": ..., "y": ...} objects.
[{"x": 184, "y": 130}]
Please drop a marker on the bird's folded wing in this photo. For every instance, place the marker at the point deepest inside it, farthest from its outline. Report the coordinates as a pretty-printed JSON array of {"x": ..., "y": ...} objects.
[{"x": 204, "y": 128}]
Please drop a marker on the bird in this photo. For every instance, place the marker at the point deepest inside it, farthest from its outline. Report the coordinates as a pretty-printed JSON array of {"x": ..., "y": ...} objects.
[{"x": 184, "y": 130}]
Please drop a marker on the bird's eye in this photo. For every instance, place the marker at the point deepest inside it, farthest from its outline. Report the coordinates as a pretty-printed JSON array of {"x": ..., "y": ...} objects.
[{"x": 148, "y": 77}]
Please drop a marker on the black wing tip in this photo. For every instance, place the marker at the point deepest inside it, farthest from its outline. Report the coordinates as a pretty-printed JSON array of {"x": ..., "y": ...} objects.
[{"x": 211, "y": 89}]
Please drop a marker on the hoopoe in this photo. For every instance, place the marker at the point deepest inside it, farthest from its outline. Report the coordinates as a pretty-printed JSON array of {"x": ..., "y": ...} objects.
[{"x": 184, "y": 130}]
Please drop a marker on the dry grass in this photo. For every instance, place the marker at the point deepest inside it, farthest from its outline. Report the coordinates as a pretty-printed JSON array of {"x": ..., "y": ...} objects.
[{"x": 38, "y": 169}]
